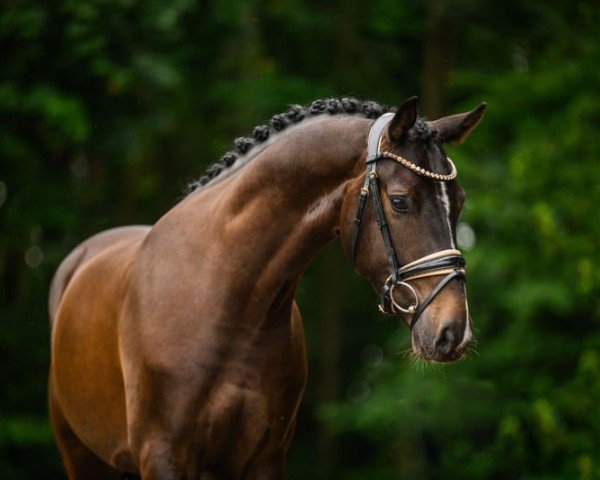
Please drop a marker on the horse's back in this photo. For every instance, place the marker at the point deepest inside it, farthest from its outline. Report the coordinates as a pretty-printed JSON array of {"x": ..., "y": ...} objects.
[{"x": 84, "y": 252}]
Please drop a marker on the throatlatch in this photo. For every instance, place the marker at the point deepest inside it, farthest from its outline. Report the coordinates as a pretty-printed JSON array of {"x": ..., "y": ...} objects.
[{"x": 446, "y": 262}]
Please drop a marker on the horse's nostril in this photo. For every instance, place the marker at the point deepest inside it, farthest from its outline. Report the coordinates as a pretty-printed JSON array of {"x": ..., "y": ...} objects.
[{"x": 446, "y": 340}]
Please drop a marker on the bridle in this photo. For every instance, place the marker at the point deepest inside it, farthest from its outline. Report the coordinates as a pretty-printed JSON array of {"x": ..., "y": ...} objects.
[{"x": 445, "y": 262}]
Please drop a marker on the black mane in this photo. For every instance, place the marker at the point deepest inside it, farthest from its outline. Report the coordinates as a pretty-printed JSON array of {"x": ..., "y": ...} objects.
[{"x": 296, "y": 113}]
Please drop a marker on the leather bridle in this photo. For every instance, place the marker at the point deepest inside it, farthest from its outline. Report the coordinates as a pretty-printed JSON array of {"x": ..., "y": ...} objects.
[{"x": 449, "y": 263}]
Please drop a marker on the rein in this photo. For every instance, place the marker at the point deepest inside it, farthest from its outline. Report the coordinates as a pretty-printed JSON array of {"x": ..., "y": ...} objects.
[{"x": 449, "y": 263}]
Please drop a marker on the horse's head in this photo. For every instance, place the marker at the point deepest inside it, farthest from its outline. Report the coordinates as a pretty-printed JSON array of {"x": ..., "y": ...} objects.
[{"x": 403, "y": 238}]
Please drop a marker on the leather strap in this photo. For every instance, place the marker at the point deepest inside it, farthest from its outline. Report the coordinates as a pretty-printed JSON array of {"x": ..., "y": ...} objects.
[
  {"x": 372, "y": 155},
  {"x": 383, "y": 227},
  {"x": 375, "y": 134},
  {"x": 452, "y": 261},
  {"x": 362, "y": 201},
  {"x": 423, "y": 305}
]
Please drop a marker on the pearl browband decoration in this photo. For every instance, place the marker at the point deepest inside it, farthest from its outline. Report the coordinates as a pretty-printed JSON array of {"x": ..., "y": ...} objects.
[{"x": 420, "y": 170}]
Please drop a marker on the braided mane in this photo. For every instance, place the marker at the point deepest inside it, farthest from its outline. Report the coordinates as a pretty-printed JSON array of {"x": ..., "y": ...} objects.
[{"x": 297, "y": 113}]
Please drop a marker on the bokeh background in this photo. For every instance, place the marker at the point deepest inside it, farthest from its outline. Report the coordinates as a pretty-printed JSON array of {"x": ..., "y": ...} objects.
[{"x": 109, "y": 107}]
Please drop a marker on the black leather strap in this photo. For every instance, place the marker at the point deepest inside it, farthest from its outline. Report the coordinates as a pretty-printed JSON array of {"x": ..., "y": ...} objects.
[
  {"x": 423, "y": 305},
  {"x": 372, "y": 156},
  {"x": 450, "y": 261},
  {"x": 385, "y": 299},
  {"x": 383, "y": 227},
  {"x": 362, "y": 201}
]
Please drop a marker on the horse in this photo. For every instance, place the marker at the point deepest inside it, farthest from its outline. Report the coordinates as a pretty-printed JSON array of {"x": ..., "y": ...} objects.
[{"x": 177, "y": 349}]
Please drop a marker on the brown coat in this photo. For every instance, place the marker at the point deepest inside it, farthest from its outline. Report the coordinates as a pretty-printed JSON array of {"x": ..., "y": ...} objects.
[{"x": 178, "y": 350}]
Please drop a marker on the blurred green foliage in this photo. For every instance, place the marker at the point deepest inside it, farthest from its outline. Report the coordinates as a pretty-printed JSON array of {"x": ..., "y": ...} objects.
[{"x": 108, "y": 107}]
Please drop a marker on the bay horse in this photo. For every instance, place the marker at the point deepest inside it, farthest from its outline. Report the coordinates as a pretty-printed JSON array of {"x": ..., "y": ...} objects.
[{"x": 178, "y": 350}]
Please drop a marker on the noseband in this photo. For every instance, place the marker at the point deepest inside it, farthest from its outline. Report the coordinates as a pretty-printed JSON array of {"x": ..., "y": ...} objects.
[{"x": 449, "y": 263}]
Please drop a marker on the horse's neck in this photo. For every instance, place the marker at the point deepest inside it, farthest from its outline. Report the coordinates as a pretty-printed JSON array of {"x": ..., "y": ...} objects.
[{"x": 271, "y": 218}]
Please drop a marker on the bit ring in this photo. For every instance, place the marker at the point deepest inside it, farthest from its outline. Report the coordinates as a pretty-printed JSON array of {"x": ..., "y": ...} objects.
[{"x": 395, "y": 306}]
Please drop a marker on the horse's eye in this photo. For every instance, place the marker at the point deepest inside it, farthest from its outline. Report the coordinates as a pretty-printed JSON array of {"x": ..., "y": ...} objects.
[{"x": 399, "y": 203}]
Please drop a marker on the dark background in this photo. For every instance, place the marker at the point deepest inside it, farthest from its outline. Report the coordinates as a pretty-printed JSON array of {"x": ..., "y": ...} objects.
[{"x": 108, "y": 108}]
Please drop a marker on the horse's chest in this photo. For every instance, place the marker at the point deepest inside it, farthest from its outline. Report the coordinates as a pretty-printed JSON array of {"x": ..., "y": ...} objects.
[{"x": 245, "y": 419}]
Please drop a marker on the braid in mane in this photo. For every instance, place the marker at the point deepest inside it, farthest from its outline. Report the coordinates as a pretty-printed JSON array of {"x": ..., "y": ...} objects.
[{"x": 297, "y": 113}]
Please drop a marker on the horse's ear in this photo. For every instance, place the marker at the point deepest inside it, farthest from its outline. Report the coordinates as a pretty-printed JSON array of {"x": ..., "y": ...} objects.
[
  {"x": 456, "y": 128},
  {"x": 403, "y": 120}
]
